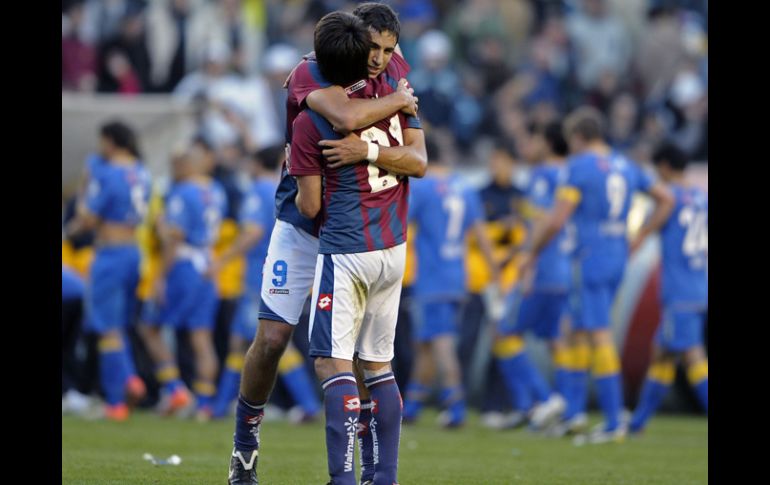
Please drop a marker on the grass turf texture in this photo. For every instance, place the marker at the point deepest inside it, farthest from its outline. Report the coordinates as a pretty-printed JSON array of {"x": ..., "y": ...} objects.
[{"x": 674, "y": 449}]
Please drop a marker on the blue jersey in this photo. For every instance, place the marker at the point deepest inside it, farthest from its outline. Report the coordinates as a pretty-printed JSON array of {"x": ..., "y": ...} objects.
[
  {"x": 684, "y": 240},
  {"x": 444, "y": 209},
  {"x": 602, "y": 186},
  {"x": 552, "y": 271},
  {"x": 197, "y": 211},
  {"x": 72, "y": 285},
  {"x": 257, "y": 209},
  {"x": 118, "y": 193}
]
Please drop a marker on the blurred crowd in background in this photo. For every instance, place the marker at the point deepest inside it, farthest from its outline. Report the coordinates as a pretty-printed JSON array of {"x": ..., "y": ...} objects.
[{"x": 481, "y": 68}]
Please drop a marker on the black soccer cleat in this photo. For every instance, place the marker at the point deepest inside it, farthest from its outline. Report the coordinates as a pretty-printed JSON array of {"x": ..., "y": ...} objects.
[{"x": 243, "y": 471}]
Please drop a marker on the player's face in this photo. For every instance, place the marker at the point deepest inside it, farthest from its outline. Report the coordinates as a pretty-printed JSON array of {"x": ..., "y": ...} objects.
[
  {"x": 534, "y": 148},
  {"x": 105, "y": 147},
  {"x": 383, "y": 45}
]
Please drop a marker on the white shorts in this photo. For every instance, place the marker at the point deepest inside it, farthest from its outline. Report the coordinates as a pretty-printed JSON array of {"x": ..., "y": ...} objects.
[
  {"x": 355, "y": 304},
  {"x": 287, "y": 276}
]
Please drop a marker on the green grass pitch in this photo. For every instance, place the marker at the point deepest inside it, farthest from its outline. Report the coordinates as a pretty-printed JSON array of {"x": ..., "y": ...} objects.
[{"x": 674, "y": 450}]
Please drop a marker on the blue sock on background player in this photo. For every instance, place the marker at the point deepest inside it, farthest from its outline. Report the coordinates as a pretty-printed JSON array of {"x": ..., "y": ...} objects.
[
  {"x": 453, "y": 400},
  {"x": 698, "y": 375},
  {"x": 229, "y": 383},
  {"x": 656, "y": 385},
  {"x": 385, "y": 425},
  {"x": 416, "y": 394},
  {"x": 606, "y": 372},
  {"x": 511, "y": 360},
  {"x": 561, "y": 362},
  {"x": 295, "y": 377},
  {"x": 342, "y": 406},
  {"x": 578, "y": 381},
  {"x": 112, "y": 369}
]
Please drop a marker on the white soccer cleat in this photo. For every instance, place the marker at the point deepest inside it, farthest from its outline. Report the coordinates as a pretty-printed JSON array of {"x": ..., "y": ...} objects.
[{"x": 547, "y": 412}]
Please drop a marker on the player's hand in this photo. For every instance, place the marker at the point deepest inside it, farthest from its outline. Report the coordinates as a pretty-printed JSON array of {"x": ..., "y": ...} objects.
[
  {"x": 408, "y": 97},
  {"x": 525, "y": 262},
  {"x": 527, "y": 279},
  {"x": 158, "y": 290},
  {"x": 345, "y": 151},
  {"x": 213, "y": 270}
]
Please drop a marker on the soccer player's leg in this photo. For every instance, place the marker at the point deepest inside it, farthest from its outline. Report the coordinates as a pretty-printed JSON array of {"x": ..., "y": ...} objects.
[
  {"x": 659, "y": 378},
  {"x": 547, "y": 327},
  {"x": 423, "y": 367},
  {"x": 444, "y": 346},
  {"x": 294, "y": 375},
  {"x": 579, "y": 359},
  {"x": 339, "y": 299},
  {"x": 105, "y": 300},
  {"x": 364, "y": 433},
  {"x": 690, "y": 336},
  {"x": 375, "y": 350},
  {"x": 288, "y": 276},
  {"x": 509, "y": 352},
  {"x": 200, "y": 323}
]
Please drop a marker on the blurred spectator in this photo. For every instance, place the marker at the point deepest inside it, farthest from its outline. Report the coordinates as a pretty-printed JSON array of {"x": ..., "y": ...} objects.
[
  {"x": 214, "y": 67},
  {"x": 124, "y": 62},
  {"x": 416, "y": 17},
  {"x": 660, "y": 52},
  {"x": 623, "y": 116},
  {"x": 244, "y": 38},
  {"x": 600, "y": 41},
  {"x": 278, "y": 62},
  {"x": 78, "y": 56},
  {"x": 689, "y": 101},
  {"x": 103, "y": 18}
]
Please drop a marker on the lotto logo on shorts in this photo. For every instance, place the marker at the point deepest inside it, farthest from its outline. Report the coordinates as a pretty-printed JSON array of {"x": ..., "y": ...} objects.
[
  {"x": 325, "y": 301},
  {"x": 352, "y": 403},
  {"x": 279, "y": 291}
]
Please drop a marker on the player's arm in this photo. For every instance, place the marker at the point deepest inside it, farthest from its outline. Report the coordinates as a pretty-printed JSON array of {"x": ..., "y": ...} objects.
[
  {"x": 249, "y": 236},
  {"x": 664, "y": 205},
  {"x": 83, "y": 221},
  {"x": 91, "y": 201},
  {"x": 308, "y": 198},
  {"x": 567, "y": 200},
  {"x": 347, "y": 114},
  {"x": 410, "y": 159},
  {"x": 485, "y": 245}
]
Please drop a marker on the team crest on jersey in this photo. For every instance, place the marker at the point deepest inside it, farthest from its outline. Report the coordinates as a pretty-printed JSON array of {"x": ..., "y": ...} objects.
[
  {"x": 325, "y": 301},
  {"x": 355, "y": 87},
  {"x": 352, "y": 403}
]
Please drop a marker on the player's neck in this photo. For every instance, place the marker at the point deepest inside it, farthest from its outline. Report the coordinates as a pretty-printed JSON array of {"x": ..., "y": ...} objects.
[
  {"x": 200, "y": 179},
  {"x": 124, "y": 159},
  {"x": 598, "y": 147},
  {"x": 677, "y": 179},
  {"x": 438, "y": 170},
  {"x": 553, "y": 160}
]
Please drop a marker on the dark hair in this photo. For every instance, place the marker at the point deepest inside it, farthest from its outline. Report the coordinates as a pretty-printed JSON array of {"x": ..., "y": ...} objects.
[
  {"x": 585, "y": 121},
  {"x": 121, "y": 135},
  {"x": 380, "y": 17},
  {"x": 432, "y": 149},
  {"x": 671, "y": 155},
  {"x": 203, "y": 141},
  {"x": 342, "y": 43},
  {"x": 507, "y": 146},
  {"x": 553, "y": 133},
  {"x": 269, "y": 157}
]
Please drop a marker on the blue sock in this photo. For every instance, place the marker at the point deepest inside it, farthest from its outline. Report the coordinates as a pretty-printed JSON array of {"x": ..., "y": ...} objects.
[
  {"x": 537, "y": 385},
  {"x": 248, "y": 419},
  {"x": 561, "y": 382},
  {"x": 385, "y": 426},
  {"x": 342, "y": 406},
  {"x": 698, "y": 376},
  {"x": 365, "y": 441},
  {"x": 167, "y": 375},
  {"x": 514, "y": 371},
  {"x": 204, "y": 393},
  {"x": 416, "y": 394},
  {"x": 229, "y": 383},
  {"x": 112, "y": 370},
  {"x": 609, "y": 393},
  {"x": 453, "y": 400},
  {"x": 652, "y": 395},
  {"x": 301, "y": 389},
  {"x": 578, "y": 393},
  {"x": 128, "y": 357}
]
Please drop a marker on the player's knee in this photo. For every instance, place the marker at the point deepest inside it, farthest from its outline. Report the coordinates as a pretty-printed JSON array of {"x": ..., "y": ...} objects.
[{"x": 601, "y": 337}]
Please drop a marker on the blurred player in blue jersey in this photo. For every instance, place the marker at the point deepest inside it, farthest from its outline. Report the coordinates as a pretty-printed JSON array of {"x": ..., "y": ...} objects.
[
  {"x": 293, "y": 249},
  {"x": 444, "y": 210},
  {"x": 115, "y": 203},
  {"x": 362, "y": 249},
  {"x": 596, "y": 193},
  {"x": 257, "y": 220},
  {"x": 185, "y": 294},
  {"x": 684, "y": 289},
  {"x": 539, "y": 301}
]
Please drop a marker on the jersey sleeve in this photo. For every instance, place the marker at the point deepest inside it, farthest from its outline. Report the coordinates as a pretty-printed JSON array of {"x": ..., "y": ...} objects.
[
  {"x": 572, "y": 183},
  {"x": 252, "y": 211},
  {"x": 416, "y": 196},
  {"x": 305, "y": 79},
  {"x": 177, "y": 213},
  {"x": 644, "y": 181},
  {"x": 305, "y": 156}
]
